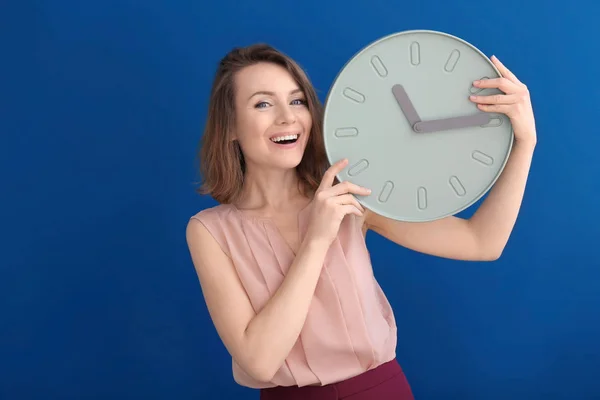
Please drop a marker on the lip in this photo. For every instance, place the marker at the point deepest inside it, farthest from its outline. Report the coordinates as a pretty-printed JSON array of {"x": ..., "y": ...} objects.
[
  {"x": 285, "y": 134},
  {"x": 286, "y": 146}
]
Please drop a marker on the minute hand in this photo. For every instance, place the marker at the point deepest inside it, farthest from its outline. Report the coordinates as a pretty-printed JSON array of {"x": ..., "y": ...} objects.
[{"x": 466, "y": 121}]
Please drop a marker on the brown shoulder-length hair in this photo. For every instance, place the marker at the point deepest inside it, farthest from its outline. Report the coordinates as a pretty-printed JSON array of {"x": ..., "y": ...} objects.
[{"x": 222, "y": 164}]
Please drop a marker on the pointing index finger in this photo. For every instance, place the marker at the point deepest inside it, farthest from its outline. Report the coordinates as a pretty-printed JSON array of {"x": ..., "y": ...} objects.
[{"x": 331, "y": 173}]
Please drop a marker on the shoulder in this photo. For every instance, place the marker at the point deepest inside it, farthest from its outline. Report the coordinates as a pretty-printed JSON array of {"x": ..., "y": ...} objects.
[
  {"x": 208, "y": 227},
  {"x": 212, "y": 212},
  {"x": 219, "y": 216}
]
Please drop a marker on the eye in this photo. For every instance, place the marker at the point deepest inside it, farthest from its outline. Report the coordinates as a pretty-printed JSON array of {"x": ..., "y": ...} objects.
[
  {"x": 261, "y": 104},
  {"x": 300, "y": 102}
]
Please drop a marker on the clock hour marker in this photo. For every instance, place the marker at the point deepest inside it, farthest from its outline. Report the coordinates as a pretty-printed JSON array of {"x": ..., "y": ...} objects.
[
  {"x": 422, "y": 198},
  {"x": 482, "y": 158},
  {"x": 458, "y": 187},
  {"x": 475, "y": 89},
  {"x": 386, "y": 191},
  {"x": 415, "y": 53},
  {"x": 358, "y": 167},
  {"x": 494, "y": 121},
  {"x": 354, "y": 95},
  {"x": 378, "y": 66},
  {"x": 346, "y": 132},
  {"x": 452, "y": 60}
]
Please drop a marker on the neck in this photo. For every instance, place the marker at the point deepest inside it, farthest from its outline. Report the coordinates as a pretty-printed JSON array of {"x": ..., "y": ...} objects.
[{"x": 273, "y": 190}]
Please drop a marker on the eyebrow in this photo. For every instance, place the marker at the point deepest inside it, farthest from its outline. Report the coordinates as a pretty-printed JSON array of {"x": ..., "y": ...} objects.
[{"x": 298, "y": 90}]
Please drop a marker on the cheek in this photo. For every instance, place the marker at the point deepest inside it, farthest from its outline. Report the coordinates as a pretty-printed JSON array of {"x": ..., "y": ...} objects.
[
  {"x": 306, "y": 119},
  {"x": 250, "y": 127}
]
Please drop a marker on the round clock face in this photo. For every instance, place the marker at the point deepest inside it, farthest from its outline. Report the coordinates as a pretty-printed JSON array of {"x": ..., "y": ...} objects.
[{"x": 399, "y": 110}]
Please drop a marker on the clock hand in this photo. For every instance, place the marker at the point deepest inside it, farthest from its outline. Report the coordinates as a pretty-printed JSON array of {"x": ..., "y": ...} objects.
[
  {"x": 452, "y": 123},
  {"x": 406, "y": 105}
]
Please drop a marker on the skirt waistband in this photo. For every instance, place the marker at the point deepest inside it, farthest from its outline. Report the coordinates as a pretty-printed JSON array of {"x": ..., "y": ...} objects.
[
  {"x": 345, "y": 388},
  {"x": 368, "y": 379}
]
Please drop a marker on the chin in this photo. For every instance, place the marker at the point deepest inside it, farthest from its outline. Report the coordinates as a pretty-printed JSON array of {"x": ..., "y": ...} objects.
[
  {"x": 289, "y": 162},
  {"x": 286, "y": 157}
]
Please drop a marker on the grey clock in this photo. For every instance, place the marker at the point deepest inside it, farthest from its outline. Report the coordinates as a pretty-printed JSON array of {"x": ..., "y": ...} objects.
[{"x": 399, "y": 111}]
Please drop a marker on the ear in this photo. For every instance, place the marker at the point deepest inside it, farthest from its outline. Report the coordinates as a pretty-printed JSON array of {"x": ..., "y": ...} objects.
[
  {"x": 232, "y": 133},
  {"x": 232, "y": 137}
]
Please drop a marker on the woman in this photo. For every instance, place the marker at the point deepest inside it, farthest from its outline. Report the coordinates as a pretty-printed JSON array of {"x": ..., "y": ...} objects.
[{"x": 282, "y": 260}]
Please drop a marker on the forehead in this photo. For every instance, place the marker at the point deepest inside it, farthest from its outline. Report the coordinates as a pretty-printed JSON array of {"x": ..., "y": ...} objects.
[{"x": 265, "y": 77}]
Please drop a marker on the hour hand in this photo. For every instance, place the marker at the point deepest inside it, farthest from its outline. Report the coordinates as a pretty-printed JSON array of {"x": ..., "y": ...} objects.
[
  {"x": 406, "y": 105},
  {"x": 466, "y": 121}
]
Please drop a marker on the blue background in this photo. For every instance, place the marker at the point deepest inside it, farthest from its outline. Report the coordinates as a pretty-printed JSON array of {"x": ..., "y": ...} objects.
[{"x": 102, "y": 105}]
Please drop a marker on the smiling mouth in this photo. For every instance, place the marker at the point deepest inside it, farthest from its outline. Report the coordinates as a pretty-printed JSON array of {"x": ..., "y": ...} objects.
[{"x": 286, "y": 139}]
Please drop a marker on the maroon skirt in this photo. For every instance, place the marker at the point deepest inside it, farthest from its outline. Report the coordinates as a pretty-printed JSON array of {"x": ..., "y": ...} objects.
[{"x": 382, "y": 383}]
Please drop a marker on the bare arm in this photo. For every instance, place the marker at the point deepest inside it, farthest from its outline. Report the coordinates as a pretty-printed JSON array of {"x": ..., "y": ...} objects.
[
  {"x": 259, "y": 343},
  {"x": 483, "y": 236},
  {"x": 495, "y": 218}
]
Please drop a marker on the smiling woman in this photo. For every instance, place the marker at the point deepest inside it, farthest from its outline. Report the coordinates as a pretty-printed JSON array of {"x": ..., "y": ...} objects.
[
  {"x": 291, "y": 329},
  {"x": 270, "y": 98},
  {"x": 282, "y": 261}
]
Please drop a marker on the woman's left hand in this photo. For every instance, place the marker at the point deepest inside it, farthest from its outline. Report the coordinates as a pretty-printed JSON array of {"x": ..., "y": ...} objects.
[{"x": 515, "y": 103}]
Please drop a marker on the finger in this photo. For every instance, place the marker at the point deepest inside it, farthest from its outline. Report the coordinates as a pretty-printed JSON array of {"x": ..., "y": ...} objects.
[
  {"x": 503, "y": 84},
  {"x": 349, "y": 209},
  {"x": 494, "y": 99},
  {"x": 348, "y": 187},
  {"x": 331, "y": 173},
  {"x": 504, "y": 70},
  {"x": 497, "y": 108},
  {"x": 348, "y": 199}
]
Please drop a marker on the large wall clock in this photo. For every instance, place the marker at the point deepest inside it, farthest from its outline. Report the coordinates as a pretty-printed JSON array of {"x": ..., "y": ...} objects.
[{"x": 399, "y": 110}]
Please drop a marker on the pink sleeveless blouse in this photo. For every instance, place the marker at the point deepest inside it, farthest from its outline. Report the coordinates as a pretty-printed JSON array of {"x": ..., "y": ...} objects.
[{"x": 350, "y": 327}]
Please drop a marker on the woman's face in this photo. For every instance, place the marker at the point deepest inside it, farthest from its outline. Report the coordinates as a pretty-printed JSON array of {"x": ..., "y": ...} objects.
[{"x": 273, "y": 121}]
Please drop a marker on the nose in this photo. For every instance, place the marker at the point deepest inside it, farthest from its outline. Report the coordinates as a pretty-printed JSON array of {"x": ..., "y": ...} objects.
[{"x": 286, "y": 116}]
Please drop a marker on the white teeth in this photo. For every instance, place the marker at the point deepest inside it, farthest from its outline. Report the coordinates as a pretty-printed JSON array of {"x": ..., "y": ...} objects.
[{"x": 288, "y": 137}]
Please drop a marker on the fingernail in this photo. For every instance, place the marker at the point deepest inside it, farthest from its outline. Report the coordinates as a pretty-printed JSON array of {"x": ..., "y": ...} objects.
[{"x": 476, "y": 82}]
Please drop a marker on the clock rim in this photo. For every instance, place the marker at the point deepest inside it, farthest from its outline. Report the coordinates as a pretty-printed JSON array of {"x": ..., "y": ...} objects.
[{"x": 360, "y": 199}]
